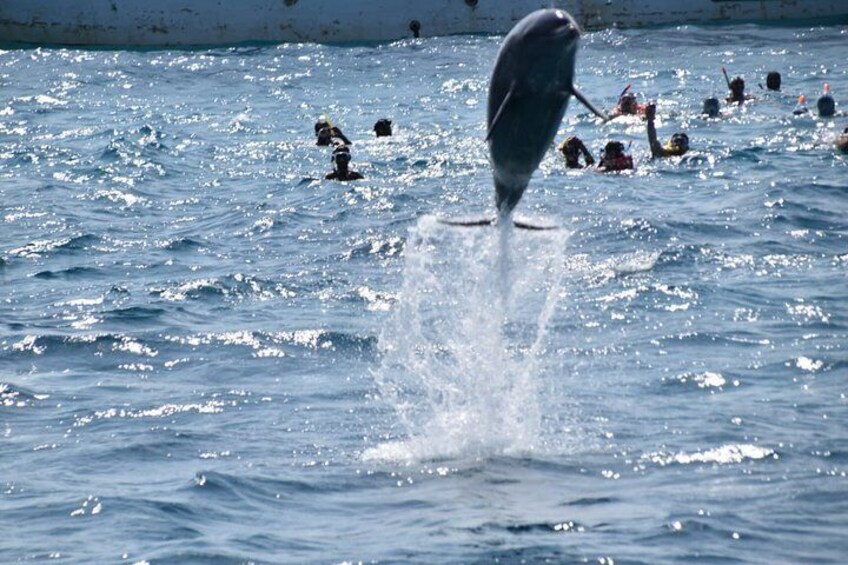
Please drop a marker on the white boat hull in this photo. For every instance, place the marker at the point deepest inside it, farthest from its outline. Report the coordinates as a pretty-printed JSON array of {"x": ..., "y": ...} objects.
[{"x": 159, "y": 23}]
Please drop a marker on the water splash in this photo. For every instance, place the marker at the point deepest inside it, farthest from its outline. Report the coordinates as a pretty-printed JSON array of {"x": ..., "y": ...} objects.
[{"x": 463, "y": 354}]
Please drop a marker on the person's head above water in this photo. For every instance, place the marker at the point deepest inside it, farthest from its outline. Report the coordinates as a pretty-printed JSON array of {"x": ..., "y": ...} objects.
[
  {"x": 571, "y": 149},
  {"x": 324, "y": 136},
  {"x": 383, "y": 128},
  {"x": 341, "y": 157},
  {"x": 773, "y": 80},
  {"x": 614, "y": 159},
  {"x": 711, "y": 107},
  {"x": 737, "y": 88},
  {"x": 613, "y": 149},
  {"x": 627, "y": 104},
  {"x": 826, "y": 105},
  {"x": 341, "y": 166},
  {"x": 678, "y": 144},
  {"x": 321, "y": 124}
]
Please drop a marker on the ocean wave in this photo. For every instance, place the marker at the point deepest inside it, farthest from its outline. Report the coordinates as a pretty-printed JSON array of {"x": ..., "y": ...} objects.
[
  {"x": 267, "y": 344},
  {"x": 182, "y": 244},
  {"x": 237, "y": 286},
  {"x": 369, "y": 247},
  {"x": 710, "y": 380},
  {"x": 214, "y": 406},
  {"x": 59, "y": 344},
  {"x": 37, "y": 249},
  {"x": 134, "y": 314},
  {"x": 723, "y": 455},
  {"x": 69, "y": 273},
  {"x": 18, "y": 396},
  {"x": 138, "y": 350}
]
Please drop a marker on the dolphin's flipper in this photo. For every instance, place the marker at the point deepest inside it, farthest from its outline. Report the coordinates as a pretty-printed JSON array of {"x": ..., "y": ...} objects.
[
  {"x": 579, "y": 95},
  {"x": 468, "y": 223},
  {"x": 500, "y": 112}
]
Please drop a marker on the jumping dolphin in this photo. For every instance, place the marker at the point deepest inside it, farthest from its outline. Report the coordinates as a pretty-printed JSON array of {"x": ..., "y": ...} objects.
[{"x": 531, "y": 85}]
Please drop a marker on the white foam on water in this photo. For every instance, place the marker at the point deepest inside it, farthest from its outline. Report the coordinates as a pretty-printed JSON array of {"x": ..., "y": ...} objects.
[{"x": 463, "y": 352}]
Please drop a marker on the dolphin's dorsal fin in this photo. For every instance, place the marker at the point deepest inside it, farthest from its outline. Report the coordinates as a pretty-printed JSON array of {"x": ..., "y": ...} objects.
[{"x": 500, "y": 111}]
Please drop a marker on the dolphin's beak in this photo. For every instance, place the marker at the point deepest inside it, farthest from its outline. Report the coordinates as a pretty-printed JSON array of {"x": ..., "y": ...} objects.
[{"x": 579, "y": 95}]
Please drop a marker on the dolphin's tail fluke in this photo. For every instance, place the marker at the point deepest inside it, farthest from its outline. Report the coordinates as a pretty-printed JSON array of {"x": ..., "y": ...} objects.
[
  {"x": 468, "y": 223},
  {"x": 522, "y": 225},
  {"x": 525, "y": 226},
  {"x": 583, "y": 100}
]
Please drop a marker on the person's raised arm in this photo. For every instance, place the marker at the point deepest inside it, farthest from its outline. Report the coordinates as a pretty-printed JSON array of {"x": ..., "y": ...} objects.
[
  {"x": 586, "y": 155},
  {"x": 338, "y": 133},
  {"x": 656, "y": 148}
]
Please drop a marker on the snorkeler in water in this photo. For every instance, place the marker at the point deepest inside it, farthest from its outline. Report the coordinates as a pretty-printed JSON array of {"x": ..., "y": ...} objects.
[
  {"x": 773, "y": 80},
  {"x": 826, "y": 105},
  {"x": 737, "y": 92},
  {"x": 678, "y": 144},
  {"x": 711, "y": 107},
  {"x": 801, "y": 107},
  {"x": 614, "y": 158},
  {"x": 383, "y": 128},
  {"x": 627, "y": 106},
  {"x": 341, "y": 170},
  {"x": 571, "y": 149},
  {"x": 325, "y": 133}
]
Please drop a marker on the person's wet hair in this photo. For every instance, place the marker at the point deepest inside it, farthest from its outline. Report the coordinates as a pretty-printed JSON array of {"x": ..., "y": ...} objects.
[
  {"x": 383, "y": 128},
  {"x": 711, "y": 107},
  {"x": 773, "y": 80},
  {"x": 571, "y": 145},
  {"x": 613, "y": 149},
  {"x": 628, "y": 104},
  {"x": 737, "y": 85},
  {"x": 826, "y": 106},
  {"x": 571, "y": 150}
]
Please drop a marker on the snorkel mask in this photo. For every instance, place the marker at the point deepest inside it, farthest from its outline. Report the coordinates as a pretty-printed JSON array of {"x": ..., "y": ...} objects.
[{"x": 341, "y": 155}]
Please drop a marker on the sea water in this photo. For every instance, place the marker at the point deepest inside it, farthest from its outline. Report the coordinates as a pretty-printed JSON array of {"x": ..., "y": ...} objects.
[{"x": 208, "y": 354}]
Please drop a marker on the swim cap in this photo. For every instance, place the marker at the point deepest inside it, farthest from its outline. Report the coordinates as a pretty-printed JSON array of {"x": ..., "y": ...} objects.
[{"x": 801, "y": 107}]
